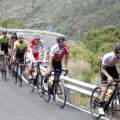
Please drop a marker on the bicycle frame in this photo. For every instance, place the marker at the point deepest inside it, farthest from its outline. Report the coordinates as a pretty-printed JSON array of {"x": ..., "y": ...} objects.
[
  {"x": 56, "y": 74},
  {"x": 115, "y": 92},
  {"x": 109, "y": 104}
]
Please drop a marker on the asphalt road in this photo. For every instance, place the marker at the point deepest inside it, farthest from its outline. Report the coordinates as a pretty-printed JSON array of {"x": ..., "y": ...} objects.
[{"x": 20, "y": 104}]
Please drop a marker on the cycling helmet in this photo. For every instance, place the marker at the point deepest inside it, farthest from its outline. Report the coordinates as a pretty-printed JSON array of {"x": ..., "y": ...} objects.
[
  {"x": 13, "y": 37},
  {"x": 61, "y": 39},
  {"x": 20, "y": 35},
  {"x": 117, "y": 47},
  {"x": 14, "y": 33},
  {"x": 36, "y": 36},
  {"x": 4, "y": 31}
]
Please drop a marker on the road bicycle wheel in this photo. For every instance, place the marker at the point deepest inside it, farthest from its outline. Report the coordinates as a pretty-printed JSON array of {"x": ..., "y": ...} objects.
[
  {"x": 31, "y": 84},
  {"x": 46, "y": 94},
  {"x": 16, "y": 77},
  {"x": 59, "y": 93},
  {"x": 5, "y": 74},
  {"x": 95, "y": 103},
  {"x": 9, "y": 68},
  {"x": 20, "y": 81},
  {"x": 2, "y": 72},
  {"x": 41, "y": 85},
  {"x": 115, "y": 108}
]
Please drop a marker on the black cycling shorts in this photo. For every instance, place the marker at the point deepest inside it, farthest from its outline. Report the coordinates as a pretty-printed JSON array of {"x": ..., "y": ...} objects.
[
  {"x": 112, "y": 71},
  {"x": 20, "y": 57},
  {"x": 5, "y": 49},
  {"x": 57, "y": 65}
]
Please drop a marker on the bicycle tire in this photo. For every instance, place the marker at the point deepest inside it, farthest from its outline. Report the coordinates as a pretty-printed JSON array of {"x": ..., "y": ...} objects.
[
  {"x": 46, "y": 94},
  {"x": 95, "y": 103},
  {"x": 20, "y": 81},
  {"x": 5, "y": 74},
  {"x": 115, "y": 108},
  {"x": 41, "y": 86},
  {"x": 16, "y": 77},
  {"x": 31, "y": 85},
  {"x": 59, "y": 95},
  {"x": 2, "y": 73},
  {"x": 9, "y": 69}
]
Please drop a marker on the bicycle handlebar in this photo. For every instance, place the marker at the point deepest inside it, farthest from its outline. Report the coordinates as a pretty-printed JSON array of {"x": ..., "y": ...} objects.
[
  {"x": 116, "y": 81},
  {"x": 57, "y": 71}
]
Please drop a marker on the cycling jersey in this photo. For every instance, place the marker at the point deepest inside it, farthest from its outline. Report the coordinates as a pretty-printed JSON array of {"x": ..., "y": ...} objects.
[
  {"x": 4, "y": 43},
  {"x": 21, "y": 47},
  {"x": 111, "y": 69},
  {"x": 35, "y": 47},
  {"x": 59, "y": 53},
  {"x": 107, "y": 59}
]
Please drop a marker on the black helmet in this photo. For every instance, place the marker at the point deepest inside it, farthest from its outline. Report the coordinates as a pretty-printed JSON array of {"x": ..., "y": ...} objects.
[
  {"x": 13, "y": 37},
  {"x": 14, "y": 33},
  {"x": 61, "y": 39},
  {"x": 117, "y": 47},
  {"x": 4, "y": 31}
]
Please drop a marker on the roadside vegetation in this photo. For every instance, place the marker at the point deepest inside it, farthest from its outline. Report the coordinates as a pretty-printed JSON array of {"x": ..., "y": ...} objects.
[
  {"x": 11, "y": 23},
  {"x": 84, "y": 63}
]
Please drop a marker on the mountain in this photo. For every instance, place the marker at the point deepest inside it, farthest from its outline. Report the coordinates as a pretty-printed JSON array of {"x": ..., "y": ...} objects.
[{"x": 70, "y": 17}]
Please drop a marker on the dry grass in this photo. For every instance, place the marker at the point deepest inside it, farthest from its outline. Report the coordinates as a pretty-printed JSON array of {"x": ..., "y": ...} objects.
[
  {"x": 78, "y": 68},
  {"x": 79, "y": 100}
]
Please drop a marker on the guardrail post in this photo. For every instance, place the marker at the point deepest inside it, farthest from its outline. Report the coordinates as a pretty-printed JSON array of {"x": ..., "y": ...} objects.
[{"x": 67, "y": 95}]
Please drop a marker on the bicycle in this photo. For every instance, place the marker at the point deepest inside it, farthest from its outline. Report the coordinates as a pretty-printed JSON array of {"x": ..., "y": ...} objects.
[
  {"x": 37, "y": 76},
  {"x": 112, "y": 105},
  {"x": 16, "y": 72},
  {"x": 56, "y": 89}
]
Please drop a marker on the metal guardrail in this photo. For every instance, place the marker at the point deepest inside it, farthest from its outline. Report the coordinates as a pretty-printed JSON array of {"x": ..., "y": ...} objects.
[
  {"x": 33, "y": 31},
  {"x": 75, "y": 85}
]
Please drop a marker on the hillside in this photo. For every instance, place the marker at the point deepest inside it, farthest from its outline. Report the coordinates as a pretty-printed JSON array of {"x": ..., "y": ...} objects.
[{"x": 70, "y": 17}]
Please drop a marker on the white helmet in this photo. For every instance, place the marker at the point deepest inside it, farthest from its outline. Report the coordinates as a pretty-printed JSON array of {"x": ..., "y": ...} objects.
[
  {"x": 36, "y": 36},
  {"x": 20, "y": 35}
]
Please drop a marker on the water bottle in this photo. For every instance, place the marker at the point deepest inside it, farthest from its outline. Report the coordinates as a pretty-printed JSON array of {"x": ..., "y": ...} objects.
[
  {"x": 50, "y": 82},
  {"x": 15, "y": 69},
  {"x": 108, "y": 95}
]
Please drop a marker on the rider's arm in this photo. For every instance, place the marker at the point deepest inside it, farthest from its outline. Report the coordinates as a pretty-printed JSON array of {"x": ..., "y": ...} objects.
[
  {"x": 12, "y": 45},
  {"x": 50, "y": 62},
  {"x": 66, "y": 61},
  {"x": 13, "y": 51},
  {"x": 45, "y": 55},
  {"x": 25, "y": 54},
  {"x": 31, "y": 54}
]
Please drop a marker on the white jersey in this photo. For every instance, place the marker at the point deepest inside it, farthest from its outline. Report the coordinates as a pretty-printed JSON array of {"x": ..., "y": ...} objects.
[
  {"x": 35, "y": 47},
  {"x": 108, "y": 58},
  {"x": 58, "y": 53}
]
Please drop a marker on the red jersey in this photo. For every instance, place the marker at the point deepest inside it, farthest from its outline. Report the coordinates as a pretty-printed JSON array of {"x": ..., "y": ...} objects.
[
  {"x": 35, "y": 47},
  {"x": 59, "y": 53}
]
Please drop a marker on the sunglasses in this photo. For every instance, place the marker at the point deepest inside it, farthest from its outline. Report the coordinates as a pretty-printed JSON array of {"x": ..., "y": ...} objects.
[
  {"x": 37, "y": 39},
  {"x": 20, "y": 37},
  {"x": 62, "y": 41}
]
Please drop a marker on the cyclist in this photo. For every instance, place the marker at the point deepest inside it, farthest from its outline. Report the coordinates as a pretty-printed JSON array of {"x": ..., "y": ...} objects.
[
  {"x": 33, "y": 50},
  {"x": 109, "y": 72},
  {"x": 58, "y": 51},
  {"x": 13, "y": 39},
  {"x": 19, "y": 51},
  {"x": 4, "y": 41},
  {"x": 15, "y": 34}
]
